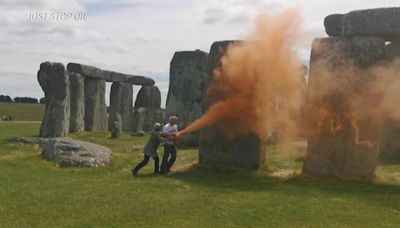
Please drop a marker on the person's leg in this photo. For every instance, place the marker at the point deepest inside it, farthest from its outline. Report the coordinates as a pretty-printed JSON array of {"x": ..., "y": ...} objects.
[
  {"x": 164, "y": 163},
  {"x": 173, "y": 157},
  {"x": 140, "y": 165},
  {"x": 156, "y": 164}
]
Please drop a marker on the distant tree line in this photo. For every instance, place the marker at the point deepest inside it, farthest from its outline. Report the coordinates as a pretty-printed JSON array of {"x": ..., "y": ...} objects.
[{"x": 26, "y": 100}]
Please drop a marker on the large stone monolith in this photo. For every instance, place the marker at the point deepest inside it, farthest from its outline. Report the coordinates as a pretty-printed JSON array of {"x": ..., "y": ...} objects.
[
  {"x": 215, "y": 148},
  {"x": 116, "y": 126},
  {"x": 149, "y": 98},
  {"x": 95, "y": 105},
  {"x": 54, "y": 80},
  {"x": 77, "y": 91},
  {"x": 121, "y": 101},
  {"x": 389, "y": 146},
  {"x": 342, "y": 112},
  {"x": 187, "y": 83}
]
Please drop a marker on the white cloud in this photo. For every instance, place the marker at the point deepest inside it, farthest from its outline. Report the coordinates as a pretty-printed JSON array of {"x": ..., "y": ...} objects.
[{"x": 136, "y": 36}]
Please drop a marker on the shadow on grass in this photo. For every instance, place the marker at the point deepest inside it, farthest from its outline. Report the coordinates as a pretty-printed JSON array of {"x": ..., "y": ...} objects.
[{"x": 389, "y": 161}]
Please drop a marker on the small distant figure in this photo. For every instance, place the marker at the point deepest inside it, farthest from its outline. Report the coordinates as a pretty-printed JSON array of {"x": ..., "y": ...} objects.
[
  {"x": 150, "y": 150},
  {"x": 169, "y": 133},
  {"x": 6, "y": 118}
]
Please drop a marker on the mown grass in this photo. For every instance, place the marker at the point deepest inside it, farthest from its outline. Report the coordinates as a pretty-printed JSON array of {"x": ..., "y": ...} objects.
[
  {"x": 34, "y": 192},
  {"x": 23, "y": 112}
]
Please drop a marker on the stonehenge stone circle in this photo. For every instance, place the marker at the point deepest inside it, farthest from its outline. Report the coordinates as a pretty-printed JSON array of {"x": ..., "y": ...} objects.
[
  {"x": 54, "y": 80},
  {"x": 76, "y": 98},
  {"x": 77, "y": 92},
  {"x": 187, "y": 85},
  {"x": 342, "y": 138},
  {"x": 217, "y": 150}
]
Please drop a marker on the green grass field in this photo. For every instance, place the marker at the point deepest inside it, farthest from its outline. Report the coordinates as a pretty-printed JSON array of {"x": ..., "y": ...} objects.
[
  {"x": 23, "y": 112},
  {"x": 36, "y": 193}
]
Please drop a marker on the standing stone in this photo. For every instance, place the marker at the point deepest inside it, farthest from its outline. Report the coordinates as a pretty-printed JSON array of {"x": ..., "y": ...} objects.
[
  {"x": 54, "y": 80},
  {"x": 342, "y": 135},
  {"x": 215, "y": 148},
  {"x": 77, "y": 91},
  {"x": 121, "y": 99},
  {"x": 116, "y": 126},
  {"x": 140, "y": 117},
  {"x": 187, "y": 81},
  {"x": 389, "y": 146},
  {"x": 95, "y": 105},
  {"x": 149, "y": 98}
]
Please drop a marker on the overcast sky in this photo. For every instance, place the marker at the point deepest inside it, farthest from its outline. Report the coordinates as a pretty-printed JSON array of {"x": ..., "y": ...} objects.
[{"x": 135, "y": 36}]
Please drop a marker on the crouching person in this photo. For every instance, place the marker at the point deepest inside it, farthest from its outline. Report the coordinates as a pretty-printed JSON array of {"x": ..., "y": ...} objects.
[{"x": 150, "y": 150}]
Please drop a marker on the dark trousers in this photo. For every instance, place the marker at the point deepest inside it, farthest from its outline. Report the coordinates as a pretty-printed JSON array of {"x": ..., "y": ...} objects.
[
  {"x": 166, "y": 164},
  {"x": 145, "y": 161}
]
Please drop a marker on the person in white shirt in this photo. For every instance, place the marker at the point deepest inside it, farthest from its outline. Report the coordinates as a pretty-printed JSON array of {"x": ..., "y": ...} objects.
[{"x": 169, "y": 132}]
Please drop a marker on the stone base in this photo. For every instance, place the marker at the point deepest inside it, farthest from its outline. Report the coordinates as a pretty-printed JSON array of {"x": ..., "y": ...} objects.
[
  {"x": 218, "y": 151},
  {"x": 390, "y": 140}
]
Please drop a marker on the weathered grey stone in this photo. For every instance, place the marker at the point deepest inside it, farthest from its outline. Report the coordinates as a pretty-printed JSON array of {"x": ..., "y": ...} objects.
[
  {"x": 121, "y": 99},
  {"x": 219, "y": 151},
  {"x": 381, "y": 22},
  {"x": 217, "y": 50},
  {"x": 333, "y": 24},
  {"x": 148, "y": 97},
  {"x": 74, "y": 153},
  {"x": 95, "y": 105},
  {"x": 216, "y": 149},
  {"x": 342, "y": 136},
  {"x": 30, "y": 140},
  {"x": 77, "y": 91},
  {"x": 116, "y": 127},
  {"x": 109, "y": 76},
  {"x": 389, "y": 146},
  {"x": 150, "y": 117},
  {"x": 54, "y": 80},
  {"x": 187, "y": 81},
  {"x": 140, "y": 118},
  {"x": 392, "y": 50}
]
